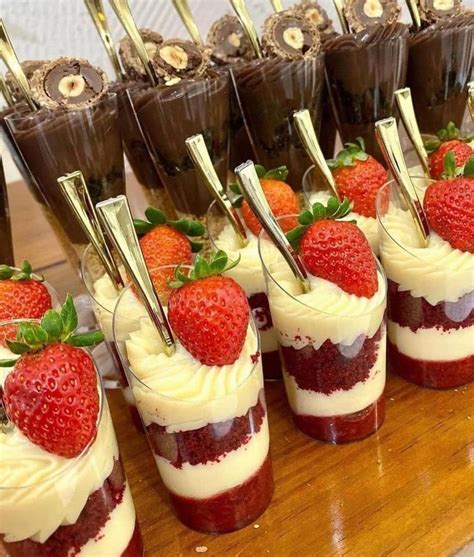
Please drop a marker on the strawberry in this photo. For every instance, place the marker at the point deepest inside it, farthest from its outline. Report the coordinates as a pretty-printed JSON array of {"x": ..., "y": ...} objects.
[
  {"x": 449, "y": 205},
  {"x": 358, "y": 176},
  {"x": 22, "y": 296},
  {"x": 51, "y": 394},
  {"x": 281, "y": 199},
  {"x": 335, "y": 250},
  {"x": 448, "y": 141},
  {"x": 208, "y": 312}
]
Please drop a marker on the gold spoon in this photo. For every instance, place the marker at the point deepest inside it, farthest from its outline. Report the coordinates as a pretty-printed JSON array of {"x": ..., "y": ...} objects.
[
  {"x": 414, "y": 13},
  {"x": 339, "y": 5},
  {"x": 242, "y": 13},
  {"x": 5, "y": 91},
  {"x": 470, "y": 98},
  {"x": 182, "y": 7}
]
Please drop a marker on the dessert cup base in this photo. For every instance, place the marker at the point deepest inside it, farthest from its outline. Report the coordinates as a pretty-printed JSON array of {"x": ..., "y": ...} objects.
[
  {"x": 135, "y": 547},
  {"x": 346, "y": 428},
  {"x": 431, "y": 374},
  {"x": 231, "y": 510},
  {"x": 272, "y": 366}
]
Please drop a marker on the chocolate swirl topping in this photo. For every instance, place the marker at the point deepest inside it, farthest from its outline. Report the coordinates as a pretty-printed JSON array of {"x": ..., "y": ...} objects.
[
  {"x": 70, "y": 83},
  {"x": 130, "y": 60},
  {"x": 374, "y": 35},
  {"x": 436, "y": 10},
  {"x": 228, "y": 41},
  {"x": 362, "y": 14},
  {"x": 178, "y": 59},
  {"x": 444, "y": 25},
  {"x": 291, "y": 36}
]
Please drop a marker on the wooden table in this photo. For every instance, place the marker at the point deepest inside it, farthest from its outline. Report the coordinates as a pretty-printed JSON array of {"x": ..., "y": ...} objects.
[{"x": 406, "y": 491}]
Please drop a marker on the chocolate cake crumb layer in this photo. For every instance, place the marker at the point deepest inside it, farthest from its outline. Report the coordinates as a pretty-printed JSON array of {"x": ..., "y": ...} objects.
[
  {"x": 362, "y": 14},
  {"x": 228, "y": 42},
  {"x": 291, "y": 36},
  {"x": 128, "y": 55},
  {"x": 179, "y": 59}
]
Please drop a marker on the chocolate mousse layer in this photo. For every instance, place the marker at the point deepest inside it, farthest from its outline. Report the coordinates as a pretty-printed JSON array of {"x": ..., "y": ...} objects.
[
  {"x": 168, "y": 115},
  {"x": 363, "y": 71},
  {"x": 439, "y": 67}
]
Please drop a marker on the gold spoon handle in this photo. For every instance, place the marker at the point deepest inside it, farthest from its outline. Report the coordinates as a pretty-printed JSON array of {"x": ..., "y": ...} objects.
[
  {"x": 6, "y": 245},
  {"x": 8, "y": 54},
  {"x": 74, "y": 189},
  {"x": 244, "y": 17},
  {"x": 407, "y": 112},
  {"x": 277, "y": 5},
  {"x": 414, "y": 13},
  {"x": 253, "y": 193},
  {"x": 116, "y": 218},
  {"x": 182, "y": 7},
  {"x": 339, "y": 5},
  {"x": 389, "y": 141},
  {"x": 96, "y": 11},
  {"x": 123, "y": 12},
  {"x": 5, "y": 91},
  {"x": 470, "y": 99},
  {"x": 199, "y": 154},
  {"x": 304, "y": 127}
]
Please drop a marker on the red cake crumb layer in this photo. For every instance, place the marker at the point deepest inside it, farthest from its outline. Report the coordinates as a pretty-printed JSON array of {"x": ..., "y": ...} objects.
[
  {"x": 332, "y": 366},
  {"x": 416, "y": 313},
  {"x": 67, "y": 541},
  {"x": 261, "y": 311},
  {"x": 230, "y": 510},
  {"x": 271, "y": 366},
  {"x": 345, "y": 428},
  {"x": 208, "y": 443},
  {"x": 434, "y": 374}
]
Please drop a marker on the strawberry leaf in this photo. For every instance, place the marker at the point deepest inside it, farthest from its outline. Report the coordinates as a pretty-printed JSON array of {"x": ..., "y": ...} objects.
[
  {"x": 69, "y": 317},
  {"x": 17, "y": 347},
  {"x": 142, "y": 226},
  {"x": 216, "y": 264},
  {"x": 33, "y": 335},
  {"x": 52, "y": 323},
  {"x": 196, "y": 228},
  {"x": 155, "y": 216},
  {"x": 469, "y": 168},
  {"x": 431, "y": 145},
  {"x": 219, "y": 262},
  {"x": 306, "y": 217},
  {"x": 294, "y": 236},
  {"x": 234, "y": 188},
  {"x": 319, "y": 211},
  {"x": 332, "y": 206},
  {"x": 279, "y": 173},
  {"x": 6, "y": 272},
  {"x": 86, "y": 339},
  {"x": 7, "y": 363},
  {"x": 196, "y": 247},
  {"x": 26, "y": 267},
  {"x": 260, "y": 170},
  {"x": 237, "y": 201},
  {"x": 449, "y": 164}
]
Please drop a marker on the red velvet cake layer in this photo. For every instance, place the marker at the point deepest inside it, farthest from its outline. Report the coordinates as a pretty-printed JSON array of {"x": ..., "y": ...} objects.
[
  {"x": 434, "y": 374},
  {"x": 231, "y": 509},
  {"x": 67, "y": 541},
  {"x": 261, "y": 311},
  {"x": 271, "y": 363},
  {"x": 208, "y": 443},
  {"x": 345, "y": 428}
]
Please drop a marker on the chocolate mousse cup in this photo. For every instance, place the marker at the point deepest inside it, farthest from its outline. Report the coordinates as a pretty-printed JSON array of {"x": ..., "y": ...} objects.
[
  {"x": 207, "y": 426},
  {"x": 439, "y": 68},
  {"x": 363, "y": 71},
  {"x": 168, "y": 115},
  {"x": 430, "y": 299},
  {"x": 333, "y": 361},
  {"x": 53, "y": 142},
  {"x": 51, "y": 505},
  {"x": 269, "y": 91}
]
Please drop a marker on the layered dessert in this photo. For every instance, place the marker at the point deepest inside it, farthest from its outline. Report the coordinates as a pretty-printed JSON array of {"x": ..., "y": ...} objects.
[
  {"x": 64, "y": 491},
  {"x": 203, "y": 406},
  {"x": 440, "y": 65},
  {"x": 76, "y": 109},
  {"x": 290, "y": 77},
  {"x": 332, "y": 337},
  {"x": 363, "y": 70},
  {"x": 431, "y": 288},
  {"x": 6, "y": 247},
  {"x": 190, "y": 98}
]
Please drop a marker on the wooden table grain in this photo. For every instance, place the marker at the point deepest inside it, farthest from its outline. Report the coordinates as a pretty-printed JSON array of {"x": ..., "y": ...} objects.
[{"x": 406, "y": 491}]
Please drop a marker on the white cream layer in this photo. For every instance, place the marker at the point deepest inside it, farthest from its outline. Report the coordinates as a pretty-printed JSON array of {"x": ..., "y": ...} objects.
[
  {"x": 205, "y": 480},
  {"x": 437, "y": 272},
  {"x": 309, "y": 403},
  {"x": 104, "y": 299},
  {"x": 433, "y": 344},
  {"x": 368, "y": 225}
]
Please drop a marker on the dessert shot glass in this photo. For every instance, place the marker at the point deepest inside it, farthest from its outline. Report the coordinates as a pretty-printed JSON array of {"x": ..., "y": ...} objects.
[
  {"x": 269, "y": 91},
  {"x": 52, "y": 505},
  {"x": 249, "y": 274},
  {"x": 168, "y": 114},
  {"x": 55, "y": 142},
  {"x": 430, "y": 298},
  {"x": 207, "y": 426},
  {"x": 333, "y": 352}
]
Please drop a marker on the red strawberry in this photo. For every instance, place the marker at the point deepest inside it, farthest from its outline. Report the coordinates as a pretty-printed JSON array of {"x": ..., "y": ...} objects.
[
  {"x": 209, "y": 313},
  {"x": 358, "y": 177},
  {"x": 7, "y": 332},
  {"x": 21, "y": 295},
  {"x": 449, "y": 141},
  {"x": 336, "y": 250},
  {"x": 281, "y": 198},
  {"x": 51, "y": 394},
  {"x": 449, "y": 207}
]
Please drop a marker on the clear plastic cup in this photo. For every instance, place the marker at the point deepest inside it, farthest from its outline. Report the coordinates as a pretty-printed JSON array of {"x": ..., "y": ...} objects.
[
  {"x": 430, "y": 298},
  {"x": 332, "y": 346},
  {"x": 207, "y": 426},
  {"x": 52, "y": 505}
]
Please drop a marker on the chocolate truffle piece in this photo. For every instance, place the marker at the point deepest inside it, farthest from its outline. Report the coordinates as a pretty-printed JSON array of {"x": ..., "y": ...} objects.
[
  {"x": 228, "y": 41},
  {"x": 314, "y": 13},
  {"x": 29, "y": 67},
  {"x": 179, "y": 59},
  {"x": 436, "y": 10},
  {"x": 70, "y": 83},
  {"x": 291, "y": 36},
  {"x": 128, "y": 55},
  {"x": 362, "y": 14}
]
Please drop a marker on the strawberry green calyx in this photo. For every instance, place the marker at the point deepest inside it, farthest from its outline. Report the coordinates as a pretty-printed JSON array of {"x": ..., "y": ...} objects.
[
  {"x": 216, "y": 264},
  {"x": 190, "y": 228},
  {"x": 55, "y": 326},
  {"x": 332, "y": 211},
  {"x": 280, "y": 173},
  {"x": 453, "y": 171},
  {"x": 352, "y": 152},
  {"x": 25, "y": 273},
  {"x": 448, "y": 133}
]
